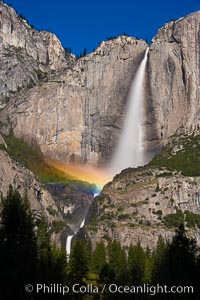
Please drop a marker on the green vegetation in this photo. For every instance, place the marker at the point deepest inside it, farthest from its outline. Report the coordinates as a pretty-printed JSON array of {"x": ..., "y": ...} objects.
[
  {"x": 30, "y": 85},
  {"x": 22, "y": 17},
  {"x": 100, "y": 199},
  {"x": 111, "y": 38},
  {"x": 144, "y": 222},
  {"x": 145, "y": 202},
  {"x": 18, "y": 245},
  {"x": 68, "y": 51},
  {"x": 123, "y": 217},
  {"x": 52, "y": 211},
  {"x": 107, "y": 216},
  {"x": 136, "y": 266},
  {"x": 192, "y": 220},
  {"x": 174, "y": 220},
  {"x": 32, "y": 158},
  {"x": 158, "y": 212},
  {"x": 27, "y": 255},
  {"x": 157, "y": 188},
  {"x": 58, "y": 226},
  {"x": 164, "y": 174},
  {"x": 92, "y": 227},
  {"x": 82, "y": 53},
  {"x": 182, "y": 154},
  {"x": 120, "y": 209},
  {"x": 41, "y": 75}
]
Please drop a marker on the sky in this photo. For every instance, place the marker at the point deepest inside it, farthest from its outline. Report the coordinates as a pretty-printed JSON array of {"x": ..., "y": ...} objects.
[{"x": 83, "y": 24}]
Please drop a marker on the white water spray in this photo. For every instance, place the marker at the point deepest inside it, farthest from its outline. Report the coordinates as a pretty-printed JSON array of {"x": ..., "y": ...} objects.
[
  {"x": 130, "y": 150},
  {"x": 68, "y": 245},
  {"x": 69, "y": 240},
  {"x": 82, "y": 224}
]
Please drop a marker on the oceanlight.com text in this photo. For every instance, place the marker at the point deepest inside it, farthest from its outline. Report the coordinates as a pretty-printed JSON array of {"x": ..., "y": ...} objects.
[{"x": 112, "y": 288}]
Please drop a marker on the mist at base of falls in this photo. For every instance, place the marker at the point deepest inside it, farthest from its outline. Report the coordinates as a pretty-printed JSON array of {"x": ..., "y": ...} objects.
[{"x": 130, "y": 149}]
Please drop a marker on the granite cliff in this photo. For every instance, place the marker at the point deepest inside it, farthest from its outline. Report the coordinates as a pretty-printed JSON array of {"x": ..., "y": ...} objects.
[
  {"x": 143, "y": 203},
  {"x": 26, "y": 55},
  {"x": 140, "y": 204},
  {"x": 64, "y": 205},
  {"x": 172, "y": 88},
  {"x": 77, "y": 114},
  {"x": 22, "y": 179},
  {"x": 73, "y": 110}
]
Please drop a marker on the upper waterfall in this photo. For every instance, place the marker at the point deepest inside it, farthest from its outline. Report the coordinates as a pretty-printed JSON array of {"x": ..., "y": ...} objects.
[{"x": 130, "y": 150}]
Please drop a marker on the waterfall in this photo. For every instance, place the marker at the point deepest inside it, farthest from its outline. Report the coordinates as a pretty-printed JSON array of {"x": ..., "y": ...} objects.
[
  {"x": 82, "y": 224},
  {"x": 69, "y": 240},
  {"x": 68, "y": 245},
  {"x": 130, "y": 150}
]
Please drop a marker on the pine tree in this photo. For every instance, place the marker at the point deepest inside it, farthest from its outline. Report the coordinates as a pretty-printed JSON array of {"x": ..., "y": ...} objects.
[
  {"x": 98, "y": 257},
  {"x": 136, "y": 262},
  {"x": 176, "y": 264},
  {"x": 52, "y": 262},
  {"x": 183, "y": 259},
  {"x": 78, "y": 266},
  {"x": 43, "y": 236},
  {"x": 107, "y": 274},
  {"x": 148, "y": 266},
  {"x": 160, "y": 269},
  {"x": 117, "y": 260},
  {"x": 18, "y": 247},
  {"x": 89, "y": 252},
  {"x": 131, "y": 259},
  {"x": 84, "y": 52}
]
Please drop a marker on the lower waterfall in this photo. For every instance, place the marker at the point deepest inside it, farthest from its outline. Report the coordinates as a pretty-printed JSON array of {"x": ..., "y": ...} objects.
[
  {"x": 68, "y": 245},
  {"x": 69, "y": 240}
]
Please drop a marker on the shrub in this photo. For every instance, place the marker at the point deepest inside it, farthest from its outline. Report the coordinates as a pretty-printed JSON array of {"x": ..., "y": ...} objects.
[
  {"x": 186, "y": 159},
  {"x": 192, "y": 220},
  {"x": 52, "y": 211},
  {"x": 123, "y": 217},
  {"x": 32, "y": 158},
  {"x": 174, "y": 220},
  {"x": 57, "y": 226}
]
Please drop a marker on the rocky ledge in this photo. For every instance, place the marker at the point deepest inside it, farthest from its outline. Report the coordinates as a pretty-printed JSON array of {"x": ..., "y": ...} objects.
[{"x": 141, "y": 204}]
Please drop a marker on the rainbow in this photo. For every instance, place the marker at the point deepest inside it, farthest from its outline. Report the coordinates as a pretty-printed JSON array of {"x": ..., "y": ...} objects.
[{"x": 87, "y": 173}]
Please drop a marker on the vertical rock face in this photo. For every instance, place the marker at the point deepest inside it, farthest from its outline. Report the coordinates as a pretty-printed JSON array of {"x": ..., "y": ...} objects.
[
  {"x": 173, "y": 78},
  {"x": 77, "y": 116},
  {"x": 139, "y": 204},
  {"x": 23, "y": 180},
  {"x": 25, "y": 54}
]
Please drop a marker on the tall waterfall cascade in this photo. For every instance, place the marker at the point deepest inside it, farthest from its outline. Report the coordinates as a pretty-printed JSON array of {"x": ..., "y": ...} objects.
[{"x": 130, "y": 149}]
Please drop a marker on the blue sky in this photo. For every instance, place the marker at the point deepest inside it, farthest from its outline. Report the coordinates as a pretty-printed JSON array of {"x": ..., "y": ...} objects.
[{"x": 83, "y": 24}]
